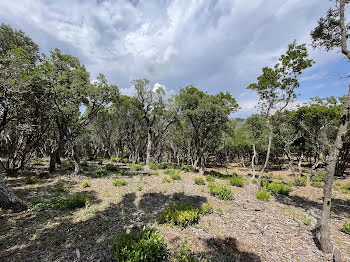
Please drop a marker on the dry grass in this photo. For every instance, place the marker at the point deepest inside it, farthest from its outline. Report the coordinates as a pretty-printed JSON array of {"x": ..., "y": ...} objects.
[{"x": 244, "y": 229}]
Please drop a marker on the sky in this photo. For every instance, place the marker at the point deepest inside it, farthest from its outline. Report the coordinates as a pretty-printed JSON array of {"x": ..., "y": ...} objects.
[{"x": 216, "y": 45}]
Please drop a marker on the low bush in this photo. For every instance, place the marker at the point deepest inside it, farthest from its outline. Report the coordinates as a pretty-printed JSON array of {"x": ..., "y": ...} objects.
[
  {"x": 166, "y": 180},
  {"x": 155, "y": 166},
  {"x": 263, "y": 195},
  {"x": 136, "y": 167},
  {"x": 206, "y": 208},
  {"x": 237, "y": 180},
  {"x": 142, "y": 245},
  {"x": 254, "y": 181},
  {"x": 116, "y": 159},
  {"x": 153, "y": 173},
  {"x": 126, "y": 160},
  {"x": 220, "y": 191},
  {"x": 84, "y": 163},
  {"x": 279, "y": 188},
  {"x": 111, "y": 168},
  {"x": 318, "y": 177},
  {"x": 101, "y": 172},
  {"x": 139, "y": 188},
  {"x": 43, "y": 175},
  {"x": 176, "y": 176},
  {"x": 119, "y": 182},
  {"x": 346, "y": 227},
  {"x": 300, "y": 181},
  {"x": 199, "y": 181},
  {"x": 209, "y": 178},
  {"x": 31, "y": 180},
  {"x": 317, "y": 184},
  {"x": 86, "y": 183},
  {"x": 38, "y": 162},
  {"x": 61, "y": 188},
  {"x": 169, "y": 171},
  {"x": 180, "y": 215},
  {"x": 72, "y": 202},
  {"x": 189, "y": 169}
]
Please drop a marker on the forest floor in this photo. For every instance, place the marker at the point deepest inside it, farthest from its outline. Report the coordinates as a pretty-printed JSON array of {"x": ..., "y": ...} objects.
[{"x": 242, "y": 229}]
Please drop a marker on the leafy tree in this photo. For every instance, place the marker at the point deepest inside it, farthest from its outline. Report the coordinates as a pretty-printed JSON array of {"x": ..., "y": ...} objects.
[
  {"x": 276, "y": 88},
  {"x": 332, "y": 32}
]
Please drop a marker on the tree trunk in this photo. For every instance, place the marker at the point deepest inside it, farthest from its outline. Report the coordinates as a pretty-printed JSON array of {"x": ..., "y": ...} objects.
[
  {"x": 267, "y": 155},
  {"x": 149, "y": 147},
  {"x": 253, "y": 161},
  {"x": 201, "y": 161},
  {"x": 76, "y": 161},
  {"x": 325, "y": 239},
  {"x": 56, "y": 155},
  {"x": 290, "y": 163},
  {"x": 8, "y": 199},
  {"x": 243, "y": 164},
  {"x": 300, "y": 160}
]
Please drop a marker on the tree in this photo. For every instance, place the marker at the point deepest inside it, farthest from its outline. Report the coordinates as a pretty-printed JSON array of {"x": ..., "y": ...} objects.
[
  {"x": 332, "y": 32},
  {"x": 206, "y": 115},
  {"x": 277, "y": 88}
]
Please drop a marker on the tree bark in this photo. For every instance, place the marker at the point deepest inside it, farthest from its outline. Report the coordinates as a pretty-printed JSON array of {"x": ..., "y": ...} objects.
[
  {"x": 325, "y": 239},
  {"x": 253, "y": 161},
  {"x": 8, "y": 199},
  {"x": 56, "y": 155},
  {"x": 267, "y": 155},
  {"x": 76, "y": 161},
  {"x": 300, "y": 160},
  {"x": 149, "y": 147}
]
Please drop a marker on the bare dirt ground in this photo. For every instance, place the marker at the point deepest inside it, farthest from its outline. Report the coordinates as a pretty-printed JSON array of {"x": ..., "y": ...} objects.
[{"x": 244, "y": 229}]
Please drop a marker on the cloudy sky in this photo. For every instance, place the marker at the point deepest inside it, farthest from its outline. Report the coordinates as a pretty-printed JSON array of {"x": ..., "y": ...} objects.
[{"x": 216, "y": 45}]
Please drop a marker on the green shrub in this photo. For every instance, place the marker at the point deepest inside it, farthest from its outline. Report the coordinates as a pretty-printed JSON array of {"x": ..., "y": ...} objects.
[
  {"x": 209, "y": 178},
  {"x": 84, "y": 163},
  {"x": 199, "y": 181},
  {"x": 263, "y": 195},
  {"x": 125, "y": 160},
  {"x": 119, "y": 182},
  {"x": 111, "y": 168},
  {"x": 38, "y": 162},
  {"x": 185, "y": 255},
  {"x": 279, "y": 188},
  {"x": 72, "y": 202},
  {"x": 206, "y": 208},
  {"x": 142, "y": 245},
  {"x": 220, "y": 191},
  {"x": 346, "y": 186},
  {"x": 254, "y": 181},
  {"x": 318, "y": 177},
  {"x": 279, "y": 177},
  {"x": 116, "y": 159},
  {"x": 136, "y": 167},
  {"x": 189, "y": 169},
  {"x": 61, "y": 188},
  {"x": 317, "y": 184},
  {"x": 101, "y": 172},
  {"x": 139, "y": 188},
  {"x": 166, "y": 180},
  {"x": 153, "y": 173},
  {"x": 155, "y": 166},
  {"x": 31, "y": 180},
  {"x": 300, "y": 181},
  {"x": 180, "y": 215},
  {"x": 86, "y": 183},
  {"x": 43, "y": 175},
  {"x": 169, "y": 171},
  {"x": 176, "y": 176},
  {"x": 237, "y": 180},
  {"x": 346, "y": 227}
]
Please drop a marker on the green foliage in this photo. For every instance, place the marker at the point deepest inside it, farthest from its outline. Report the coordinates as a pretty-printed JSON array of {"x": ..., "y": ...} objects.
[
  {"x": 318, "y": 177},
  {"x": 317, "y": 184},
  {"x": 346, "y": 187},
  {"x": 139, "y": 188},
  {"x": 169, "y": 171},
  {"x": 209, "y": 178},
  {"x": 206, "y": 208},
  {"x": 101, "y": 172},
  {"x": 142, "y": 245},
  {"x": 136, "y": 167},
  {"x": 62, "y": 202},
  {"x": 189, "y": 169},
  {"x": 85, "y": 183},
  {"x": 175, "y": 176},
  {"x": 199, "y": 181},
  {"x": 220, "y": 191},
  {"x": 185, "y": 255},
  {"x": 116, "y": 159},
  {"x": 84, "y": 163},
  {"x": 43, "y": 175},
  {"x": 182, "y": 215},
  {"x": 237, "y": 180},
  {"x": 300, "y": 181},
  {"x": 263, "y": 195},
  {"x": 155, "y": 166},
  {"x": 60, "y": 187},
  {"x": 278, "y": 188},
  {"x": 31, "y": 180},
  {"x": 119, "y": 182},
  {"x": 38, "y": 162},
  {"x": 111, "y": 168},
  {"x": 346, "y": 227},
  {"x": 125, "y": 160},
  {"x": 254, "y": 181},
  {"x": 166, "y": 180},
  {"x": 154, "y": 173},
  {"x": 99, "y": 161}
]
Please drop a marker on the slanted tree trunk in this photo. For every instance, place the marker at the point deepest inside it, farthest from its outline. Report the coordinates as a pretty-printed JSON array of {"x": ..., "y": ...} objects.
[
  {"x": 290, "y": 163},
  {"x": 312, "y": 173},
  {"x": 149, "y": 147},
  {"x": 300, "y": 160},
  {"x": 76, "y": 161},
  {"x": 253, "y": 161},
  {"x": 325, "y": 239},
  {"x": 8, "y": 199},
  {"x": 267, "y": 154},
  {"x": 56, "y": 155}
]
